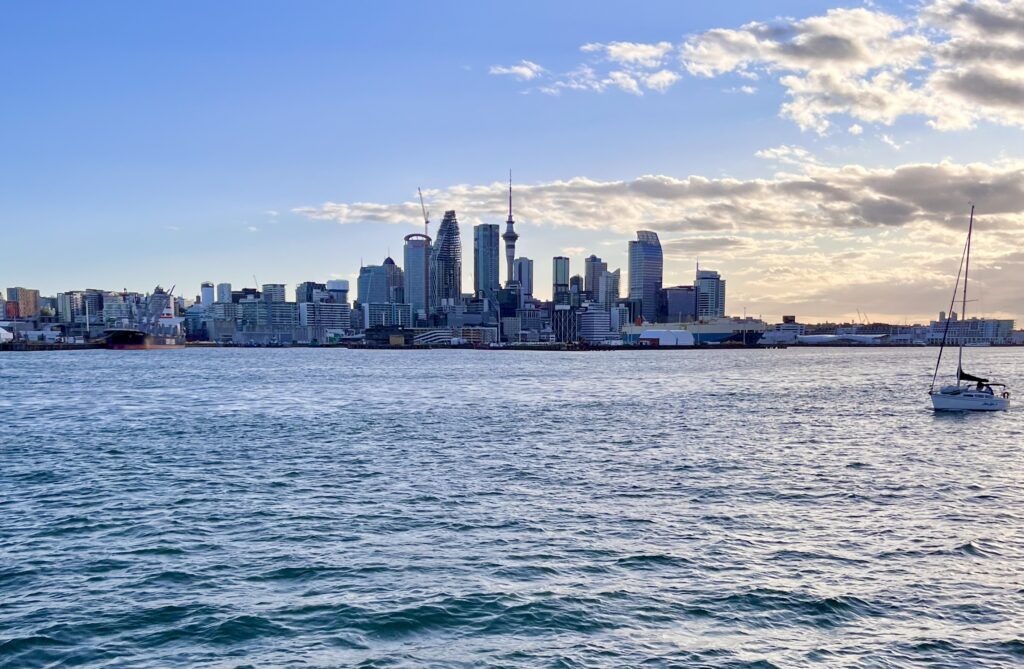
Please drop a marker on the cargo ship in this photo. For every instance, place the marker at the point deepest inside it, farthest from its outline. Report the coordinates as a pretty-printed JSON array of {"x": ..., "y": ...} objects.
[
  {"x": 131, "y": 339},
  {"x": 158, "y": 327}
]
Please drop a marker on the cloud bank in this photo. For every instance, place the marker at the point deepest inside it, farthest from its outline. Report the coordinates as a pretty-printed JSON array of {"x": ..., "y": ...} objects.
[{"x": 954, "y": 63}]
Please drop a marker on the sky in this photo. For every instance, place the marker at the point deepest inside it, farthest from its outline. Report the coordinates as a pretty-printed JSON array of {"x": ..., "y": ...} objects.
[{"x": 821, "y": 155}]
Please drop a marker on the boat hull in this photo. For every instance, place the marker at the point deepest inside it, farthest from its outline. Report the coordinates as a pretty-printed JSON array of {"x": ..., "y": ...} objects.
[
  {"x": 136, "y": 340},
  {"x": 969, "y": 402}
]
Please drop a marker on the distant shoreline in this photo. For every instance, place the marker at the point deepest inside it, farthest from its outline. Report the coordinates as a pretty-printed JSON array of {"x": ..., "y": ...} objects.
[{"x": 29, "y": 347}]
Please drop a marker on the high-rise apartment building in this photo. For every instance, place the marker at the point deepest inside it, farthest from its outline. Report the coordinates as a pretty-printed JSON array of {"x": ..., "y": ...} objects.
[
  {"x": 273, "y": 292},
  {"x": 338, "y": 290},
  {"x": 645, "y": 272},
  {"x": 417, "y": 272},
  {"x": 523, "y": 275},
  {"x": 311, "y": 291},
  {"x": 710, "y": 288},
  {"x": 446, "y": 263},
  {"x": 26, "y": 299},
  {"x": 485, "y": 260}
]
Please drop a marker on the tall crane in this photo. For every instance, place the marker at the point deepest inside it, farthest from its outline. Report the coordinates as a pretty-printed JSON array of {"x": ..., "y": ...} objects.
[{"x": 426, "y": 216}]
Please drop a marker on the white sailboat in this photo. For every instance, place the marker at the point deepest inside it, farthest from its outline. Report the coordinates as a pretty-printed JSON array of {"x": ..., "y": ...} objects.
[{"x": 969, "y": 393}]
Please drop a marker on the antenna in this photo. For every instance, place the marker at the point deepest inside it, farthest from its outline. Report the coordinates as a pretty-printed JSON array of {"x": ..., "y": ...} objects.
[
  {"x": 426, "y": 215},
  {"x": 510, "y": 194}
]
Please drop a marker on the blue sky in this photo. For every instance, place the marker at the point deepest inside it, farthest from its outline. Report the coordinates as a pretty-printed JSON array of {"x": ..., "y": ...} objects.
[{"x": 172, "y": 143}]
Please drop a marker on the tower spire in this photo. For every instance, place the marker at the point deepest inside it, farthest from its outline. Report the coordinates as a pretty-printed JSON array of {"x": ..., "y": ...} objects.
[{"x": 510, "y": 237}]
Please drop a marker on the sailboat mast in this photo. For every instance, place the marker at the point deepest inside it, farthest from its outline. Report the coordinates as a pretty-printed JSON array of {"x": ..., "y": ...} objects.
[{"x": 963, "y": 306}]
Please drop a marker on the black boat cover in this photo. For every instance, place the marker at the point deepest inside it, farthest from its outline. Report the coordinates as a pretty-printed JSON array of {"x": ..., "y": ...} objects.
[{"x": 961, "y": 375}]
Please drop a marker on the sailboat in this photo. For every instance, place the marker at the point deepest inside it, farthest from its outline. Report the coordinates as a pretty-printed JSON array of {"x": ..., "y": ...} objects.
[{"x": 970, "y": 393}]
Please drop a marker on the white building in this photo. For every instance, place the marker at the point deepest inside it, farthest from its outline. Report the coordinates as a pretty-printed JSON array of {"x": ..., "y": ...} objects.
[{"x": 594, "y": 325}]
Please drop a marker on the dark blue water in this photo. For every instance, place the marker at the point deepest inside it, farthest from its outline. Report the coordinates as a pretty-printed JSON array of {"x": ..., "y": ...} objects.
[{"x": 334, "y": 508}]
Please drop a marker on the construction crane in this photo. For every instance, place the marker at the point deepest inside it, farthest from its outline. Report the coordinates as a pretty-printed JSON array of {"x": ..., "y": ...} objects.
[{"x": 426, "y": 216}]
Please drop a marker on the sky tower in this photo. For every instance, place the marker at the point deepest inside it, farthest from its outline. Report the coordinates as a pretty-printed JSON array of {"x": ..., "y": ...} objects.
[{"x": 510, "y": 237}]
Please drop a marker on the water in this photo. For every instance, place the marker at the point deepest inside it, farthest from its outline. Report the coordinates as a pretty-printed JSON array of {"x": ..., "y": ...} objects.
[{"x": 334, "y": 508}]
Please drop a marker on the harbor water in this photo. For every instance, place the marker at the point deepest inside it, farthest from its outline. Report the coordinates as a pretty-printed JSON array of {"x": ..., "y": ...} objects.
[{"x": 344, "y": 508}]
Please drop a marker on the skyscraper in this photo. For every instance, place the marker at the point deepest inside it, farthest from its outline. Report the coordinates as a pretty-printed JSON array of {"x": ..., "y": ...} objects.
[
  {"x": 592, "y": 269},
  {"x": 417, "y": 271},
  {"x": 608, "y": 288},
  {"x": 206, "y": 292},
  {"x": 645, "y": 272},
  {"x": 224, "y": 292},
  {"x": 380, "y": 284},
  {"x": 446, "y": 263},
  {"x": 710, "y": 289},
  {"x": 560, "y": 280},
  {"x": 510, "y": 237},
  {"x": 485, "y": 260},
  {"x": 523, "y": 275}
]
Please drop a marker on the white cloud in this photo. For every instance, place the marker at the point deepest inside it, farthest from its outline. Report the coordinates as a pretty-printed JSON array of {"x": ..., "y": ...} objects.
[
  {"x": 523, "y": 71},
  {"x": 625, "y": 82},
  {"x": 632, "y": 53},
  {"x": 855, "y": 129},
  {"x": 661, "y": 80},
  {"x": 252, "y": 228},
  {"x": 953, "y": 62},
  {"x": 892, "y": 143}
]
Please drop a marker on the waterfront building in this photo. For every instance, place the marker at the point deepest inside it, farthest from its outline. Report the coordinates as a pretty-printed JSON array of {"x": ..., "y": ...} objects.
[
  {"x": 26, "y": 301},
  {"x": 679, "y": 304},
  {"x": 388, "y": 314},
  {"x": 645, "y": 272},
  {"x": 206, "y": 293},
  {"x": 510, "y": 238},
  {"x": 485, "y": 259},
  {"x": 324, "y": 316},
  {"x": 523, "y": 275},
  {"x": 224, "y": 292},
  {"x": 564, "y": 324},
  {"x": 417, "y": 272},
  {"x": 338, "y": 290},
  {"x": 710, "y": 288},
  {"x": 972, "y": 331},
  {"x": 608, "y": 288},
  {"x": 311, "y": 291},
  {"x": 446, "y": 264},
  {"x": 594, "y": 325},
  {"x": 273, "y": 292},
  {"x": 560, "y": 280},
  {"x": 593, "y": 268},
  {"x": 70, "y": 306}
]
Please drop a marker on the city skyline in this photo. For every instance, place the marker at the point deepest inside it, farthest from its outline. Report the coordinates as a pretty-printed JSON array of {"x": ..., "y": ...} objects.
[{"x": 748, "y": 142}]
